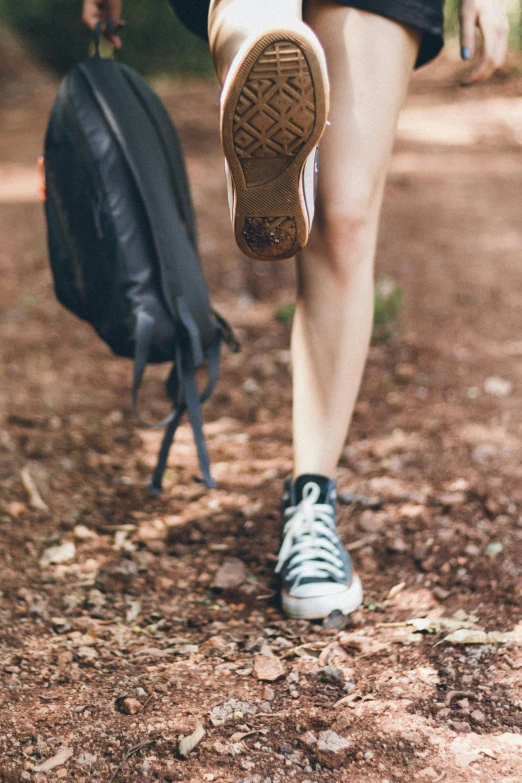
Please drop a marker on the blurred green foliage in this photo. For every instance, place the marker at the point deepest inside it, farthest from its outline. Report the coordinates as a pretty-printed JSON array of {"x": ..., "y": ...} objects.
[
  {"x": 154, "y": 41},
  {"x": 387, "y": 304},
  {"x": 514, "y": 9}
]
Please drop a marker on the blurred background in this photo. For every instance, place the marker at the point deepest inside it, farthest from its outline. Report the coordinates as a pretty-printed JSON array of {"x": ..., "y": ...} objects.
[{"x": 155, "y": 41}]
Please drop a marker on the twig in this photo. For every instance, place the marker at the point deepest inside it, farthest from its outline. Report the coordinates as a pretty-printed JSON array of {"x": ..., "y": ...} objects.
[{"x": 131, "y": 752}]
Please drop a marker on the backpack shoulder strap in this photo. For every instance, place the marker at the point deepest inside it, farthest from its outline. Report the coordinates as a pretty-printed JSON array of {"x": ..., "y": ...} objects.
[{"x": 171, "y": 146}]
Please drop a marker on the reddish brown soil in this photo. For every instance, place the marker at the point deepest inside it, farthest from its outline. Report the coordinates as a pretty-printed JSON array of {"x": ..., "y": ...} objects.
[{"x": 438, "y": 455}]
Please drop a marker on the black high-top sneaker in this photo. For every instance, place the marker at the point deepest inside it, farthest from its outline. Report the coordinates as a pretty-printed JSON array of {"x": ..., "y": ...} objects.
[{"x": 316, "y": 571}]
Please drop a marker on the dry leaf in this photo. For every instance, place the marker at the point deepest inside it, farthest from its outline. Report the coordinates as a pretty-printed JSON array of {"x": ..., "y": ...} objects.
[
  {"x": 362, "y": 643},
  {"x": 469, "y": 636},
  {"x": 60, "y": 758},
  {"x": 35, "y": 499},
  {"x": 187, "y": 744},
  {"x": 438, "y": 624}
]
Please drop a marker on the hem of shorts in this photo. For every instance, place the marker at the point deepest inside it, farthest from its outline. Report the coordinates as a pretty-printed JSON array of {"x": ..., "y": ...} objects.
[{"x": 430, "y": 25}]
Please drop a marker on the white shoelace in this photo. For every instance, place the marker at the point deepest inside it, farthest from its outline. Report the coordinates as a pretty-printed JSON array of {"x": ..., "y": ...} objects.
[{"x": 310, "y": 543}]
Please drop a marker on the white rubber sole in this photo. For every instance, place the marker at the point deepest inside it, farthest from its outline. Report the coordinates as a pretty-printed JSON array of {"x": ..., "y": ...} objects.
[{"x": 320, "y": 606}]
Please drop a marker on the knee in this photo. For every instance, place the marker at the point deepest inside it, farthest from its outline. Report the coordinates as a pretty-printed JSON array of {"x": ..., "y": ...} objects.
[{"x": 345, "y": 237}]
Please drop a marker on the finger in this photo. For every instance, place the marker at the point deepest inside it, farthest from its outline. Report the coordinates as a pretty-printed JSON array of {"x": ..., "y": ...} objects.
[
  {"x": 494, "y": 50},
  {"x": 468, "y": 22},
  {"x": 115, "y": 40},
  {"x": 91, "y": 14}
]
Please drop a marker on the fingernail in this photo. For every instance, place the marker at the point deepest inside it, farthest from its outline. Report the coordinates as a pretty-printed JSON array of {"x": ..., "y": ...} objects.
[{"x": 465, "y": 53}]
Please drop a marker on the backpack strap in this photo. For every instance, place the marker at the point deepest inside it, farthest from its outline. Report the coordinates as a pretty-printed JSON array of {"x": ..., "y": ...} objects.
[
  {"x": 182, "y": 380},
  {"x": 144, "y": 336},
  {"x": 173, "y": 150}
]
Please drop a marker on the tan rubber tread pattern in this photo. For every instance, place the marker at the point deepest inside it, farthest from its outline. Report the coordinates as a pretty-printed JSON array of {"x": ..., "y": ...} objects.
[{"x": 272, "y": 119}]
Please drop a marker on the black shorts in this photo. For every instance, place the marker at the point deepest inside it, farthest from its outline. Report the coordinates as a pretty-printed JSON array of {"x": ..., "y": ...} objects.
[{"x": 425, "y": 15}]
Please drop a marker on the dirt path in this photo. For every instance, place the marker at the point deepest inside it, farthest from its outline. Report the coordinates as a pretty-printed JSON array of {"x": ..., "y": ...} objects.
[{"x": 121, "y": 649}]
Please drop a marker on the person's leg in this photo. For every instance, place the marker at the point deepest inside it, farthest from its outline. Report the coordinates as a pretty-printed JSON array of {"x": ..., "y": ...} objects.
[
  {"x": 370, "y": 60},
  {"x": 231, "y": 22}
]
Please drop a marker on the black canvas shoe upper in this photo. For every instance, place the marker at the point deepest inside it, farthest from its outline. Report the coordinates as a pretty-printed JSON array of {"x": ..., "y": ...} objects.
[{"x": 311, "y": 551}]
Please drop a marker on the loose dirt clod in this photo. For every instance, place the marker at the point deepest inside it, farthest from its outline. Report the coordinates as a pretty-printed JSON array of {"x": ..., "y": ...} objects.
[
  {"x": 268, "y": 667},
  {"x": 130, "y": 706},
  {"x": 332, "y": 750},
  {"x": 230, "y": 575}
]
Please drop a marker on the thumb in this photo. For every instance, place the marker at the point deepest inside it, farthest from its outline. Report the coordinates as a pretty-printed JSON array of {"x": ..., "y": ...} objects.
[{"x": 467, "y": 35}]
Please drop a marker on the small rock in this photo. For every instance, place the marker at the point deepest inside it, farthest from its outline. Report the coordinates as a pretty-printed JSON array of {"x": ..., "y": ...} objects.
[
  {"x": 397, "y": 545},
  {"x": 56, "y": 555},
  {"x": 268, "y": 668},
  {"x": 478, "y": 717},
  {"x": 217, "y": 647},
  {"x": 83, "y": 533},
  {"x": 440, "y": 593},
  {"x": 497, "y": 386},
  {"x": 129, "y": 706},
  {"x": 332, "y": 750},
  {"x": 494, "y": 548},
  {"x": 231, "y": 574},
  {"x": 336, "y": 619}
]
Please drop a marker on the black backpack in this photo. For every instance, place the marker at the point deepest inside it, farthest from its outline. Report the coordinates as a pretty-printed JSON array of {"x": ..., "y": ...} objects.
[{"x": 122, "y": 236}]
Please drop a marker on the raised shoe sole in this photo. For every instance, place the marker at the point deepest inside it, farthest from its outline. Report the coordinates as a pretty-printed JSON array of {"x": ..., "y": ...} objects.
[{"x": 274, "y": 111}]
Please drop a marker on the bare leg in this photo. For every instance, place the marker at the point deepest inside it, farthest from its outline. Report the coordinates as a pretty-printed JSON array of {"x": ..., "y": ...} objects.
[
  {"x": 370, "y": 60},
  {"x": 230, "y": 22}
]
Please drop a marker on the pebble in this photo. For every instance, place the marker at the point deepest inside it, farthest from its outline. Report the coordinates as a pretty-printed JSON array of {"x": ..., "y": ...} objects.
[
  {"x": 336, "y": 619},
  {"x": 130, "y": 706},
  {"x": 231, "y": 574},
  {"x": 332, "y": 750},
  {"x": 478, "y": 717},
  {"x": 308, "y": 739}
]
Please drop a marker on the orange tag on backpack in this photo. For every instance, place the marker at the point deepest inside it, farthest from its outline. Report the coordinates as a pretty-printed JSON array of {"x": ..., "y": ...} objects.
[{"x": 41, "y": 174}]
